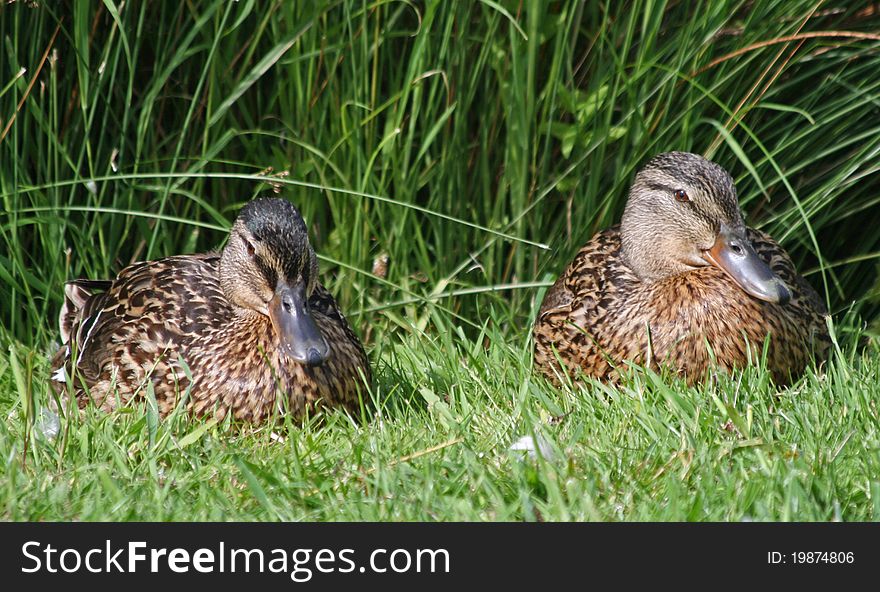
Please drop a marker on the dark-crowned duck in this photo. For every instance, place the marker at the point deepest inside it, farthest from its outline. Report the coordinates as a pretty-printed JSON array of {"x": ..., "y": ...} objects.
[{"x": 253, "y": 325}]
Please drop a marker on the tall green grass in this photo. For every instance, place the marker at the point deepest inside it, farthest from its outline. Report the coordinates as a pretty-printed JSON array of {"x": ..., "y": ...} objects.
[
  {"x": 475, "y": 145},
  {"x": 390, "y": 122}
]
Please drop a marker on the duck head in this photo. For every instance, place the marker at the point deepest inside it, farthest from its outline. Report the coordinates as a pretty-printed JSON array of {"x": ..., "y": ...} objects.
[
  {"x": 682, "y": 214},
  {"x": 268, "y": 266}
]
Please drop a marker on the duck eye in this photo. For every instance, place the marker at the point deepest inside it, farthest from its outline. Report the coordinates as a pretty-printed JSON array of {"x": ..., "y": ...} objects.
[
  {"x": 681, "y": 195},
  {"x": 250, "y": 247}
]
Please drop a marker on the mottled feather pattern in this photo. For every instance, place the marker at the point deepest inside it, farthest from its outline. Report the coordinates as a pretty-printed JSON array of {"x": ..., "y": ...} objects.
[
  {"x": 599, "y": 314},
  {"x": 155, "y": 313}
]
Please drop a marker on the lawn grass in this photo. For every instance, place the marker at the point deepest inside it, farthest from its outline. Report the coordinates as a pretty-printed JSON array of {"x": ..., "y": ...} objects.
[
  {"x": 439, "y": 449},
  {"x": 473, "y": 146}
]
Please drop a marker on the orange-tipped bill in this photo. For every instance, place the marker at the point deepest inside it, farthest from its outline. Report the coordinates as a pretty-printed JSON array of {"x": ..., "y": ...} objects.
[
  {"x": 293, "y": 322},
  {"x": 734, "y": 254}
]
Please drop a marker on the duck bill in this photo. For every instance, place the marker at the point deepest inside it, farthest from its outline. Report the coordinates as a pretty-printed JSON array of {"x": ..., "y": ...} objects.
[
  {"x": 295, "y": 326},
  {"x": 733, "y": 253}
]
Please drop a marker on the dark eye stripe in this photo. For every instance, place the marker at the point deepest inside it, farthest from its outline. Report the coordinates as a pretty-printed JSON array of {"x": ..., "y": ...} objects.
[
  {"x": 657, "y": 187},
  {"x": 268, "y": 271}
]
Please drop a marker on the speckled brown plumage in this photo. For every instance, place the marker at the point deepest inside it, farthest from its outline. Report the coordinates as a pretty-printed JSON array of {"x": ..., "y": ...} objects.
[
  {"x": 600, "y": 313},
  {"x": 126, "y": 335}
]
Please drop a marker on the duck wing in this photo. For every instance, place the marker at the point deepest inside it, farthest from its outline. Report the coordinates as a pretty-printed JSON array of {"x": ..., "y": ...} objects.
[
  {"x": 585, "y": 283},
  {"x": 582, "y": 307},
  {"x": 146, "y": 309},
  {"x": 805, "y": 303},
  {"x": 338, "y": 332},
  {"x": 779, "y": 261},
  {"x": 81, "y": 298}
]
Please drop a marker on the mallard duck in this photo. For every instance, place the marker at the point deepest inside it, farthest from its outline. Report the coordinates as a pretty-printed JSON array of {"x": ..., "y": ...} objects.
[
  {"x": 681, "y": 282},
  {"x": 255, "y": 328}
]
